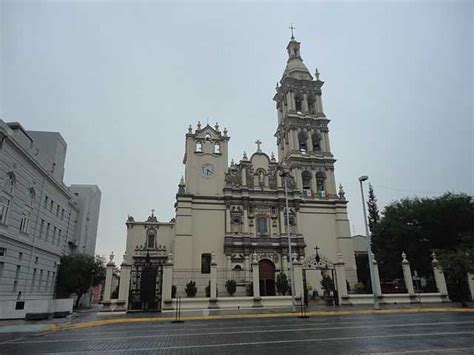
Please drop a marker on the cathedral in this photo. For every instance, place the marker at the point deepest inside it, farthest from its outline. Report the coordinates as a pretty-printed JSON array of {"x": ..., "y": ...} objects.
[{"x": 231, "y": 213}]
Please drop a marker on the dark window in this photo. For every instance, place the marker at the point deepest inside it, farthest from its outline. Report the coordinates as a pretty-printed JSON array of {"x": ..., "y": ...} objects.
[
  {"x": 150, "y": 243},
  {"x": 205, "y": 263},
  {"x": 262, "y": 225}
]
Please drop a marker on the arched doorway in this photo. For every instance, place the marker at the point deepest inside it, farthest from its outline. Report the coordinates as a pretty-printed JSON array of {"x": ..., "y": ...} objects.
[{"x": 267, "y": 277}]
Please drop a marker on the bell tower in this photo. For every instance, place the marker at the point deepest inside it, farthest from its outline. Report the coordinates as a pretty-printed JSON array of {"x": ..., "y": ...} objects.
[{"x": 302, "y": 133}]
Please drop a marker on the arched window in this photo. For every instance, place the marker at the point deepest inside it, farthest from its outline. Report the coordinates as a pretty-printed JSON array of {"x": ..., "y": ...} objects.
[
  {"x": 262, "y": 225},
  {"x": 316, "y": 138},
  {"x": 198, "y": 146},
  {"x": 307, "y": 177},
  {"x": 150, "y": 240},
  {"x": 9, "y": 182},
  {"x": 298, "y": 102},
  {"x": 237, "y": 272},
  {"x": 320, "y": 184},
  {"x": 32, "y": 195},
  {"x": 217, "y": 148},
  {"x": 311, "y": 105},
  {"x": 207, "y": 137},
  {"x": 303, "y": 147}
]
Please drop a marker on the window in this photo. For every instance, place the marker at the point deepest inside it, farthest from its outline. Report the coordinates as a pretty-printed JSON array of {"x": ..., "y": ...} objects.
[
  {"x": 51, "y": 205},
  {"x": 41, "y": 228},
  {"x": 25, "y": 222},
  {"x": 40, "y": 284},
  {"x": 320, "y": 188},
  {"x": 47, "y": 281},
  {"x": 217, "y": 148},
  {"x": 298, "y": 103},
  {"x": 57, "y": 210},
  {"x": 59, "y": 236},
  {"x": 262, "y": 225},
  {"x": 199, "y": 147},
  {"x": 47, "y": 232},
  {"x": 316, "y": 138},
  {"x": 1, "y": 269},
  {"x": 46, "y": 202},
  {"x": 3, "y": 251},
  {"x": 207, "y": 137},
  {"x": 237, "y": 272},
  {"x": 20, "y": 255},
  {"x": 17, "y": 276},
  {"x": 4, "y": 207},
  {"x": 303, "y": 147},
  {"x": 307, "y": 177},
  {"x": 205, "y": 263},
  {"x": 150, "y": 242},
  {"x": 36, "y": 260},
  {"x": 10, "y": 182},
  {"x": 33, "y": 281},
  {"x": 62, "y": 213},
  {"x": 54, "y": 235},
  {"x": 32, "y": 195}
]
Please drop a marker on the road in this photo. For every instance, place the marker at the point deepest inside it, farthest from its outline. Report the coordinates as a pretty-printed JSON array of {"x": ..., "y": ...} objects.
[{"x": 353, "y": 334}]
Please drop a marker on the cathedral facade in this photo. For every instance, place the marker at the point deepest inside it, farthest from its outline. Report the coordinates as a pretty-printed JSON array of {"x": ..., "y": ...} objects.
[{"x": 231, "y": 212}]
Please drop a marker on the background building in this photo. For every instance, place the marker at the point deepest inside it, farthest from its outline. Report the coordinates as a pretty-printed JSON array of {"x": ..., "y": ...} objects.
[{"x": 39, "y": 215}]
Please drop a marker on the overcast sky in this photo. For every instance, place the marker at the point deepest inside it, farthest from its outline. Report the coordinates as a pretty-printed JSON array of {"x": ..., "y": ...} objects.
[{"x": 122, "y": 81}]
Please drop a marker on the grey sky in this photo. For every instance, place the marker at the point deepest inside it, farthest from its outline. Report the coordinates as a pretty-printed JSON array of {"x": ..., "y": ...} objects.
[{"x": 122, "y": 82}]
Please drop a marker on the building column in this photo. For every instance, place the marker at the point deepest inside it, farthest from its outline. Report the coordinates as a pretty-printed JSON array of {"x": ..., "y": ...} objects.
[
  {"x": 255, "y": 277},
  {"x": 284, "y": 265},
  {"x": 229, "y": 266},
  {"x": 341, "y": 278},
  {"x": 305, "y": 103},
  {"x": 296, "y": 145},
  {"x": 109, "y": 273},
  {"x": 470, "y": 280},
  {"x": 227, "y": 220},
  {"x": 309, "y": 141},
  {"x": 246, "y": 220},
  {"x": 289, "y": 101},
  {"x": 244, "y": 176},
  {"x": 247, "y": 268},
  {"x": 439, "y": 276},
  {"x": 377, "y": 289},
  {"x": 314, "y": 186},
  {"x": 290, "y": 140},
  {"x": 282, "y": 221},
  {"x": 407, "y": 275},
  {"x": 298, "y": 273},
  {"x": 124, "y": 288},
  {"x": 213, "y": 276},
  {"x": 168, "y": 283},
  {"x": 320, "y": 103}
]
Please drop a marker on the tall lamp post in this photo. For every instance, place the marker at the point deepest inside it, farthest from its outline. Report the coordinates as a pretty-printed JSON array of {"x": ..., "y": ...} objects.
[
  {"x": 369, "y": 243},
  {"x": 284, "y": 173}
]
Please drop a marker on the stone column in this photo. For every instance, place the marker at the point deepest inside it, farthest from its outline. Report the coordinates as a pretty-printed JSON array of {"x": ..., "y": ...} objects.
[
  {"x": 290, "y": 140},
  {"x": 305, "y": 103},
  {"x": 407, "y": 275},
  {"x": 470, "y": 280},
  {"x": 227, "y": 220},
  {"x": 167, "y": 283},
  {"x": 341, "y": 284},
  {"x": 309, "y": 142},
  {"x": 108, "y": 278},
  {"x": 313, "y": 184},
  {"x": 320, "y": 103},
  {"x": 377, "y": 289},
  {"x": 439, "y": 276},
  {"x": 284, "y": 265},
  {"x": 124, "y": 288},
  {"x": 295, "y": 140},
  {"x": 246, "y": 220},
  {"x": 247, "y": 268},
  {"x": 244, "y": 176},
  {"x": 255, "y": 277},
  {"x": 298, "y": 271},
  {"x": 298, "y": 214},
  {"x": 213, "y": 277},
  {"x": 229, "y": 266},
  {"x": 282, "y": 222},
  {"x": 289, "y": 101}
]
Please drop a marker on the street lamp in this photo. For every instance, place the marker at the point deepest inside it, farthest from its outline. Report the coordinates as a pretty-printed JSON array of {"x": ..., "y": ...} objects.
[
  {"x": 284, "y": 173},
  {"x": 369, "y": 243}
]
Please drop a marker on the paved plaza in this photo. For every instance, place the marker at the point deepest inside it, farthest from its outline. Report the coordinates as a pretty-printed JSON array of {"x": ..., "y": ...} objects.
[{"x": 397, "y": 333}]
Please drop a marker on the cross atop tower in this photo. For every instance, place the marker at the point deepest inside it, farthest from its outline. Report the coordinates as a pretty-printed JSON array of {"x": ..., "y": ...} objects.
[
  {"x": 292, "y": 28},
  {"x": 258, "y": 142},
  {"x": 152, "y": 212}
]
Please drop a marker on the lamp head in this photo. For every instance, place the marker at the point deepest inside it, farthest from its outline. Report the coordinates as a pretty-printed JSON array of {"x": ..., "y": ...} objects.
[{"x": 363, "y": 178}]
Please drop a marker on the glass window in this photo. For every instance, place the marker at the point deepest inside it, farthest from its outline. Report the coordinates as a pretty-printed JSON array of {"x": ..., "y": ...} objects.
[
  {"x": 4, "y": 207},
  {"x": 198, "y": 147},
  {"x": 150, "y": 243},
  {"x": 205, "y": 263},
  {"x": 262, "y": 225}
]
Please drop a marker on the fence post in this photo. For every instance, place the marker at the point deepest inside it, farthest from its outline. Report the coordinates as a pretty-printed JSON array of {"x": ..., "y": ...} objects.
[
  {"x": 341, "y": 278},
  {"x": 108, "y": 278},
  {"x": 124, "y": 288},
  {"x": 213, "y": 292},
  {"x": 376, "y": 289},
  {"x": 439, "y": 277},
  {"x": 256, "y": 281},
  {"x": 407, "y": 275},
  {"x": 298, "y": 271},
  {"x": 167, "y": 284}
]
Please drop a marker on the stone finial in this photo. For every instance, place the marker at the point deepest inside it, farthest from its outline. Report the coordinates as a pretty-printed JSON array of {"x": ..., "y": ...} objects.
[
  {"x": 216, "y": 126},
  {"x": 190, "y": 129},
  {"x": 244, "y": 156},
  {"x": 111, "y": 257},
  {"x": 272, "y": 156},
  {"x": 294, "y": 256},
  {"x": 213, "y": 258},
  {"x": 373, "y": 259},
  {"x": 404, "y": 256},
  {"x": 170, "y": 259},
  {"x": 199, "y": 125},
  {"x": 339, "y": 257},
  {"x": 225, "y": 132},
  {"x": 342, "y": 194},
  {"x": 434, "y": 261},
  {"x": 232, "y": 162},
  {"x": 181, "y": 186},
  {"x": 277, "y": 85},
  {"x": 125, "y": 259},
  {"x": 317, "y": 74},
  {"x": 254, "y": 258}
]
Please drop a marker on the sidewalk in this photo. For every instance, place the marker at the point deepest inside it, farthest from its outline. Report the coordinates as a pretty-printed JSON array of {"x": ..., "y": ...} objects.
[{"x": 91, "y": 318}]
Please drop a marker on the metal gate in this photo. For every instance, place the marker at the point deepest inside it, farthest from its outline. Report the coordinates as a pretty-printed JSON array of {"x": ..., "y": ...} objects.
[{"x": 145, "y": 284}]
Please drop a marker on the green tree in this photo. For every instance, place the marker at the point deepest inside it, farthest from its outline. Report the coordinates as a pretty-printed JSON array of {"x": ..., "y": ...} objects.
[
  {"x": 231, "y": 286},
  {"x": 77, "y": 273},
  {"x": 418, "y": 226},
  {"x": 373, "y": 209},
  {"x": 282, "y": 284},
  {"x": 456, "y": 265},
  {"x": 191, "y": 289}
]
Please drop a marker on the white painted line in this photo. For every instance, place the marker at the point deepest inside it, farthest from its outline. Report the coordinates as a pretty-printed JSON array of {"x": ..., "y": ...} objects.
[
  {"x": 423, "y": 351},
  {"x": 90, "y": 339},
  {"x": 177, "y": 347}
]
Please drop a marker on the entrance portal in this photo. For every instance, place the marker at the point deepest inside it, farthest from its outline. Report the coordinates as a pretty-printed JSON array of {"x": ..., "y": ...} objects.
[{"x": 267, "y": 278}]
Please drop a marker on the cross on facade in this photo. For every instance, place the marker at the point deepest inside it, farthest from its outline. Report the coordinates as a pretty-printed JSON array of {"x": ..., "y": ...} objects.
[
  {"x": 292, "y": 28},
  {"x": 258, "y": 142}
]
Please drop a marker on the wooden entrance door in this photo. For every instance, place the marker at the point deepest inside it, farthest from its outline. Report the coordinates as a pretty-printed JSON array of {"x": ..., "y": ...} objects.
[{"x": 267, "y": 278}]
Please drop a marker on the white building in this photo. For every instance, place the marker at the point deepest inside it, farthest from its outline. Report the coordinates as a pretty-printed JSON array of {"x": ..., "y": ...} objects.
[{"x": 38, "y": 216}]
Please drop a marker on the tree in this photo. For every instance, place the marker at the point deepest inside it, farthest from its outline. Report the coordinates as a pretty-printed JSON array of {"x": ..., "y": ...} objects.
[
  {"x": 282, "y": 284},
  {"x": 456, "y": 264},
  {"x": 231, "y": 286},
  {"x": 419, "y": 226},
  {"x": 191, "y": 289},
  {"x": 77, "y": 273},
  {"x": 373, "y": 210}
]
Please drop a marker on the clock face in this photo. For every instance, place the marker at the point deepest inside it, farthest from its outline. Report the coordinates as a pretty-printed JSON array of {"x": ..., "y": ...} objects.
[{"x": 207, "y": 170}]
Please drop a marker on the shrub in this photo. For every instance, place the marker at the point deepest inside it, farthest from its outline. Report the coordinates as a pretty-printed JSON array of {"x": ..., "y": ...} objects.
[
  {"x": 249, "y": 289},
  {"x": 327, "y": 284},
  {"x": 173, "y": 291},
  {"x": 282, "y": 284},
  {"x": 359, "y": 288},
  {"x": 191, "y": 289},
  {"x": 231, "y": 286},
  {"x": 208, "y": 289}
]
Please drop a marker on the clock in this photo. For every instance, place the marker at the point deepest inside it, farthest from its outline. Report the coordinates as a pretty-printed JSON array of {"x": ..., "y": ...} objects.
[{"x": 207, "y": 170}]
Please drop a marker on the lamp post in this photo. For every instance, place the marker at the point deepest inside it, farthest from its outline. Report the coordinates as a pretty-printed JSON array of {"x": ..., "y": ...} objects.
[
  {"x": 284, "y": 173},
  {"x": 369, "y": 243}
]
